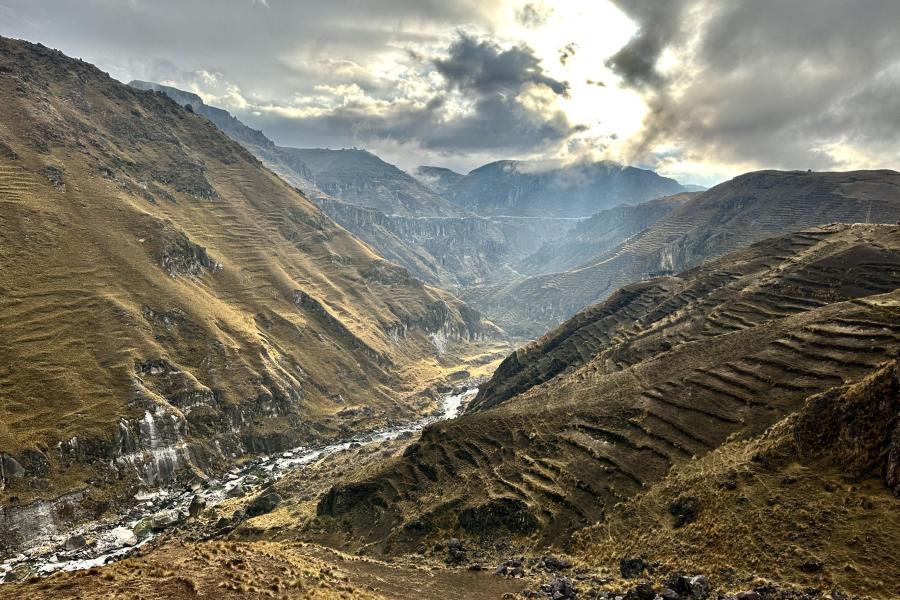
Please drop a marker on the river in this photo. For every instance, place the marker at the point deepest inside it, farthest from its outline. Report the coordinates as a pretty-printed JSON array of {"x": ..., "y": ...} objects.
[{"x": 109, "y": 538}]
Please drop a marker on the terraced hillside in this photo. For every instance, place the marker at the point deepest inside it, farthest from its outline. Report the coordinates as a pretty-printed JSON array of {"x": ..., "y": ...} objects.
[
  {"x": 662, "y": 372},
  {"x": 732, "y": 215},
  {"x": 168, "y": 304}
]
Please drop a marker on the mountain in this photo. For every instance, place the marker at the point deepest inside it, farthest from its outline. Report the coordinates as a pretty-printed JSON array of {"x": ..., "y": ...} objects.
[
  {"x": 683, "y": 411},
  {"x": 359, "y": 177},
  {"x": 731, "y": 215},
  {"x": 439, "y": 179},
  {"x": 522, "y": 188},
  {"x": 170, "y": 306},
  {"x": 604, "y": 230},
  {"x": 224, "y": 120},
  {"x": 353, "y": 176},
  {"x": 453, "y": 252}
]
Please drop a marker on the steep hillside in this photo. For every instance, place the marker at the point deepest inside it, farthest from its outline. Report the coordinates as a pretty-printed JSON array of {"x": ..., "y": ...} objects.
[
  {"x": 452, "y": 252},
  {"x": 808, "y": 502},
  {"x": 168, "y": 304},
  {"x": 361, "y": 178},
  {"x": 521, "y": 188},
  {"x": 593, "y": 236},
  {"x": 729, "y": 216},
  {"x": 663, "y": 372},
  {"x": 448, "y": 251}
]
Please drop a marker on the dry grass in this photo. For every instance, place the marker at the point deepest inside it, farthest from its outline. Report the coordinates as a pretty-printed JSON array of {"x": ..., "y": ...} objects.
[{"x": 154, "y": 238}]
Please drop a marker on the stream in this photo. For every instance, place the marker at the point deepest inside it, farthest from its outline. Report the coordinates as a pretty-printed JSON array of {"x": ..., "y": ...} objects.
[{"x": 100, "y": 542}]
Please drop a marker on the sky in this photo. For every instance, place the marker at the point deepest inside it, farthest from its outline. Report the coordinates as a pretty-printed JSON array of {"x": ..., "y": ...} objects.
[{"x": 699, "y": 90}]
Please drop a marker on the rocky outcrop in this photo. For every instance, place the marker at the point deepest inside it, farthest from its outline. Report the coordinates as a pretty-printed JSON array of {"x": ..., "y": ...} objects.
[{"x": 857, "y": 427}]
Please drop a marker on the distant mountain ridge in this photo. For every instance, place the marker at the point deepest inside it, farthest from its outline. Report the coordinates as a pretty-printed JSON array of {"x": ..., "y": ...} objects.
[
  {"x": 359, "y": 177},
  {"x": 523, "y": 188},
  {"x": 731, "y": 215},
  {"x": 405, "y": 218},
  {"x": 440, "y": 179},
  {"x": 349, "y": 175}
]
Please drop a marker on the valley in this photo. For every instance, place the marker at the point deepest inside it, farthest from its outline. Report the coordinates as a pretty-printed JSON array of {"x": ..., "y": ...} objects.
[{"x": 235, "y": 368}]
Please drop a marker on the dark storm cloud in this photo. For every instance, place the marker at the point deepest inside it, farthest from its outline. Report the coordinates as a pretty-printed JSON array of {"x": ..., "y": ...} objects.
[
  {"x": 483, "y": 67},
  {"x": 496, "y": 84},
  {"x": 772, "y": 83},
  {"x": 660, "y": 24}
]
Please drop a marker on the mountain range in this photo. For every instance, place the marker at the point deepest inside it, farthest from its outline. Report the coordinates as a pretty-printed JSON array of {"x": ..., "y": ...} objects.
[{"x": 234, "y": 369}]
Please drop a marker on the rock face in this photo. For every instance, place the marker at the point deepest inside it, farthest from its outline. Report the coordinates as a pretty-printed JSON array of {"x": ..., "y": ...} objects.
[
  {"x": 663, "y": 372},
  {"x": 732, "y": 215},
  {"x": 264, "y": 503},
  {"x": 520, "y": 188},
  {"x": 454, "y": 252},
  {"x": 359, "y": 177},
  {"x": 168, "y": 335},
  {"x": 857, "y": 428}
]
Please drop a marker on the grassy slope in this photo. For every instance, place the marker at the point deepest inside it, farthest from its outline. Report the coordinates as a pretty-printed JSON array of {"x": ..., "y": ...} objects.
[
  {"x": 719, "y": 353},
  {"x": 810, "y": 490},
  {"x": 148, "y": 262}
]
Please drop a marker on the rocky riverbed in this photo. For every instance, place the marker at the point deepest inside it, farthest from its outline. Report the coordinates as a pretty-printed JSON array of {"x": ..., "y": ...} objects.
[{"x": 154, "y": 511}]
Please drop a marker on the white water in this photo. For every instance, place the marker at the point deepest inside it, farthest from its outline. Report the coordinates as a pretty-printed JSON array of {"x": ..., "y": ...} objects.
[{"x": 49, "y": 554}]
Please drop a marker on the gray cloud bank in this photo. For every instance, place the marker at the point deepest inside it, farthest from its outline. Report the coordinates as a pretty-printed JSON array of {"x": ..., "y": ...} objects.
[
  {"x": 798, "y": 84},
  {"x": 762, "y": 83}
]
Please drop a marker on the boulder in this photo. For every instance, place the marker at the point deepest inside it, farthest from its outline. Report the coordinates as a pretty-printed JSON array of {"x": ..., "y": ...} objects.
[
  {"x": 264, "y": 503},
  {"x": 235, "y": 491},
  {"x": 76, "y": 542},
  {"x": 196, "y": 506},
  {"x": 124, "y": 537},
  {"x": 11, "y": 468},
  {"x": 555, "y": 564},
  {"x": 560, "y": 588},
  {"x": 510, "y": 568},
  {"x": 143, "y": 528},
  {"x": 691, "y": 587},
  {"x": 164, "y": 519},
  {"x": 643, "y": 591},
  {"x": 632, "y": 568}
]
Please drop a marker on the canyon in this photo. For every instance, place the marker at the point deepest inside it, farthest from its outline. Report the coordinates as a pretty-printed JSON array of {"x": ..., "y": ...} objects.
[{"x": 231, "y": 368}]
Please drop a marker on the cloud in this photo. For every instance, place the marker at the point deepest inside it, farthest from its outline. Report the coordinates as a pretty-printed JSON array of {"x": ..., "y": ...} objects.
[
  {"x": 801, "y": 84},
  {"x": 567, "y": 52},
  {"x": 660, "y": 24},
  {"x": 533, "y": 14},
  {"x": 480, "y": 99},
  {"x": 483, "y": 67}
]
